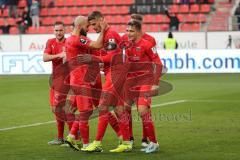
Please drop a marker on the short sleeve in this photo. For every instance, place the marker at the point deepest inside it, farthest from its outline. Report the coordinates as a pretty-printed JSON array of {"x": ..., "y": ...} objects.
[
  {"x": 151, "y": 51},
  {"x": 84, "y": 42},
  {"x": 48, "y": 48}
]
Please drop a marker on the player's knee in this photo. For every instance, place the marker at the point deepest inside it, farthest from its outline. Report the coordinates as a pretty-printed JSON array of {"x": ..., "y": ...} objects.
[
  {"x": 85, "y": 115},
  {"x": 142, "y": 110}
]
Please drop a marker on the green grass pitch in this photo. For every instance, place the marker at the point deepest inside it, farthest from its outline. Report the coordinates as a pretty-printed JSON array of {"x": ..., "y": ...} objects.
[{"x": 199, "y": 119}]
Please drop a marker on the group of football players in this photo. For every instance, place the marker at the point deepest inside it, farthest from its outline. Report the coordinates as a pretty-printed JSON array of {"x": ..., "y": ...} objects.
[{"x": 132, "y": 70}]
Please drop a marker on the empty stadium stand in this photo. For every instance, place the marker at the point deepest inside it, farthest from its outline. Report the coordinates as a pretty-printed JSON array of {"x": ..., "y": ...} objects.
[{"x": 192, "y": 16}]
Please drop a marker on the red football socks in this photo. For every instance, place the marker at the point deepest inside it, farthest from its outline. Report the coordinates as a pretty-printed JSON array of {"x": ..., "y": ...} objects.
[{"x": 148, "y": 126}]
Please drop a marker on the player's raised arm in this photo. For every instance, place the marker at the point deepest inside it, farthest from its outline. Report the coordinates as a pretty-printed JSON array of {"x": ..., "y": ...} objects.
[{"x": 99, "y": 43}]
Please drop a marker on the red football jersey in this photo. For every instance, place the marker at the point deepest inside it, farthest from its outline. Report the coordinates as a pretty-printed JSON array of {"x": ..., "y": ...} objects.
[
  {"x": 142, "y": 51},
  {"x": 76, "y": 45},
  {"x": 111, "y": 43},
  {"x": 52, "y": 48},
  {"x": 149, "y": 38}
]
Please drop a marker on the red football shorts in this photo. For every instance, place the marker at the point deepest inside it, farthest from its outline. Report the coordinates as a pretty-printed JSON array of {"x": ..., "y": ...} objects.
[
  {"x": 110, "y": 96},
  {"x": 56, "y": 98}
]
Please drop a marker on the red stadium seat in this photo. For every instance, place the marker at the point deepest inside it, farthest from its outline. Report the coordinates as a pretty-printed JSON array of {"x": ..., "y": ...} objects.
[
  {"x": 14, "y": 30},
  {"x": 154, "y": 28},
  {"x": 145, "y": 28},
  {"x": 93, "y": 8},
  {"x": 89, "y": 2},
  {"x": 60, "y": 3},
  {"x": 181, "y": 17},
  {"x": 149, "y": 18},
  {"x": 49, "y": 29},
  {"x": 63, "y": 11},
  {"x": 44, "y": 12},
  {"x": 123, "y": 9},
  {"x": 184, "y": 8},
  {"x": 160, "y": 18},
  {"x": 5, "y": 12},
  {"x": 22, "y": 3},
  {"x": 109, "y": 2},
  {"x": 127, "y": 18},
  {"x": 205, "y": 8},
  {"x": 201, "y": 18},
  {"x": 70, "y": 3},
  {"x": 42, "y": 30},
  {"x": 99, "y": 2},
  {"x": 11, "y": 21},
  {"x": 164, "y": 27},
  {"x": 0, "y": 31},
  {"x": 74, "y": 11},
  {"x": 53, "y": 12},
  {"x": 196, "y": 27},
  {"x": 1, "y": 21},
  {"x": 48, "y": 21},
  {"x": 194, "y": 8},
  {"x": 173, "y": 9},
  {"x": 113, "y": 9},
  {"x": 109, "y": 18},
  {"x": 105, "y": 10},
  {"x": 118, "y": 19},
  {"x": 83, "y": 10},
  {"x": 190, "y": 18},
  {"x": 31, "y": 30},
  {"x": 185, "y": 27},
  {"x": 80, "y": 2},
  {"x": 58, "y": 18},
  {"x": 125, "y": 2},
  {"x": 68, "y": 20}
]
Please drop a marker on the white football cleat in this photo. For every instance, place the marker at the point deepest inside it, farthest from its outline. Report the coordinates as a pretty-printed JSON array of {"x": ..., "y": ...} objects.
[{"x": 152, "y": 147}]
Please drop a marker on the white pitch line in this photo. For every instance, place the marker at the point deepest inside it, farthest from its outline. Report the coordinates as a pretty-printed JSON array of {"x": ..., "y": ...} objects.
[
  {"x": 49, "y": 122},
  {"x": 214, "y": 101},
  {"x": 168, "y": 103},
  {"x": 25, "y": 126}
]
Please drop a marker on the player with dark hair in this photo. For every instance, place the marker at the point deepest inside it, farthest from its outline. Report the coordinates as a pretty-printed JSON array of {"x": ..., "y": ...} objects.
[
  {"x": 146, "y": 36},
  {"x": 152, "y": 40},
  {"x": 142, "y": 51},
  {"x": 111, "y": 42},
  {"x": 78, "y": 44},
  {"x": 55, "y": 52}
]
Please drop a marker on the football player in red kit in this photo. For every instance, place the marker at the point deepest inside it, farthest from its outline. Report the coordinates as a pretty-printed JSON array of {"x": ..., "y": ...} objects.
[
  {"x": 152, "y": 40},
  {"x": 143, "y": 51},
  {"x": 111, "y": 42},
  {"x": 78, "y": 44},
  {"x": 55, "y": 52}
]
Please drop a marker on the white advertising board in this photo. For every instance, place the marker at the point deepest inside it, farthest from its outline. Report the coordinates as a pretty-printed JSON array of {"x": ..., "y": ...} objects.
[
  {"x": 9, "y": 43},
  {"x": 178, "y": 61},
  {"x": 23, "y": 63},
  {"x": 201, "y": 61},
  {"x": 34, "y": 43},
  {"x": 223, "y": 40},
  {"x": 186, "y": 40}
]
